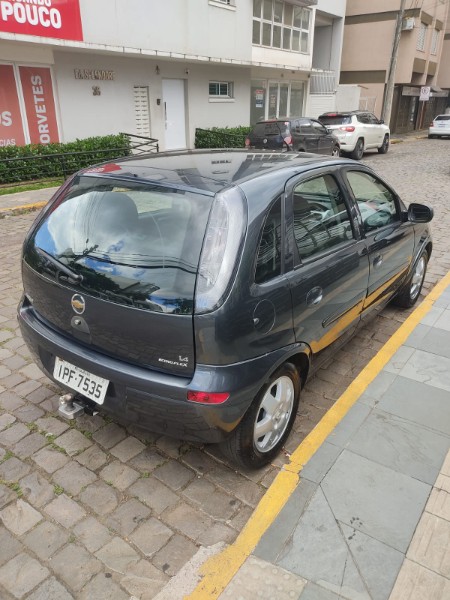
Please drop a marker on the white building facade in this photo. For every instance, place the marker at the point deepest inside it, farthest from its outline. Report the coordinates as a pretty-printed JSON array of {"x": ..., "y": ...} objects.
[{"x": 79, "y": 68}]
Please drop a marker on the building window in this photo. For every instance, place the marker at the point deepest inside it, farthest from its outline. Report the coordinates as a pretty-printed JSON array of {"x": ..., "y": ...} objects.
[
  {"x": 274, "y": 99},
  {"x": 281, "y": 25},
  {"x": 220, "y": 89},
  {"x": 434, "y": 41},
  {"x": 421, "y": 36}
]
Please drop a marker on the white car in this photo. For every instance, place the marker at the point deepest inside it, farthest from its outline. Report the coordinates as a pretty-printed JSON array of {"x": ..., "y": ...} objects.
[
  {"x": 440, "y": 126},
  {"x": 357, "y": 131}
]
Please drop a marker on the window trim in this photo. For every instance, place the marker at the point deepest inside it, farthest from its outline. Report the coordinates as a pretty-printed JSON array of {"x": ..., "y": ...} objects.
[
  {"x": 226, "y": 4},
  {"x": 349, "y": 205},
  {"x": 219, "y": 96},
  {"x": 283, "y": 242},
  {"x": 434, "y": 42},
  {"x": 261, "y": 20},
  {"x": 397, "y": 201},
  {"x": 421, "y": 37}
]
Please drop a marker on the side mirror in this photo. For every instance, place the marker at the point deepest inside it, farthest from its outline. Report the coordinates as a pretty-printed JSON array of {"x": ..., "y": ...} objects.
[
  {"x": 329, "y": 130},
  {"x": 381, "y": 122},
  {"x": 420, "y": 213}
]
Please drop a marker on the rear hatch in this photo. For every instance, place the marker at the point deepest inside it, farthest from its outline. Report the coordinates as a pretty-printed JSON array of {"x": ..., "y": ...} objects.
[
  {"x": 269, "y": 134},
  {"x": 335, "y": 121},
  {"x": 442, "y": 122},
  {"x": 113, "y": 264}
]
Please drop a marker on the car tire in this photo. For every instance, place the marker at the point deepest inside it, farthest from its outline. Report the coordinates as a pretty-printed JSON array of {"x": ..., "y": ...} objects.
[
  {"x": 271, "y": 414},
  {"x": 431, "y": 136},
  {"x": 410, "y": 292},
  {"x": 384, "y": 146},
  {"x": 358, "y": 152},
  {"x": 336, "y": 151}
]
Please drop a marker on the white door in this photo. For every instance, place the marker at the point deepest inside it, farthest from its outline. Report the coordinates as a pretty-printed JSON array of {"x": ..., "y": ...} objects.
[{"x": 174, "y": 114}]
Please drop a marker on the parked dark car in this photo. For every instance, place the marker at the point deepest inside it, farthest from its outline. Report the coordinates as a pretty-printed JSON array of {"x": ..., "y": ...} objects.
[
  {"x": 299, "y": 134},
  {"x": 193, "y": 293}
]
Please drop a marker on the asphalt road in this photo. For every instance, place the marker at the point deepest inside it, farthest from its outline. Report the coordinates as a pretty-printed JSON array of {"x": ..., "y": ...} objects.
[{"x": 95, "y": 510}]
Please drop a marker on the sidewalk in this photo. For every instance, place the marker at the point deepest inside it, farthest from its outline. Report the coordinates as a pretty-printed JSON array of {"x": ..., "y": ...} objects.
[
  {"x": 24, "y": 200},
  {"x": 370, "y": 515}
]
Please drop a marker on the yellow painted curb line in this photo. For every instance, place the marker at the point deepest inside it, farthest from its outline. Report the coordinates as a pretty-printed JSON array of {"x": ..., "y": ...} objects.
[
  {"x": 24, "y": 206},
  {"x": 218, "y": 571}
]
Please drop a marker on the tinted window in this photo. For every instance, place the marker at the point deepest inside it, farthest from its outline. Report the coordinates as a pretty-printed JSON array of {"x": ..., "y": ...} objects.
[
  {"x": 376, "y": 202},
  {"x": 335, "y": 119},
  {"x": 268, "y": 263},
  {"x": 321, "y": 219},
  {"x": 318, "y": 127},
  {"x": 132, "y": 244},
  {"x": 363, "y": 119},
  {"x": 442, "y": 118},
  {"x": 273, "y": 128}
]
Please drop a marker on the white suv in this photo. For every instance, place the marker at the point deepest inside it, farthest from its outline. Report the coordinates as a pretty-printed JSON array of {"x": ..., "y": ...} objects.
[
  {"x": 357, "y": 131},
  {"x": 440, "y": 126}
]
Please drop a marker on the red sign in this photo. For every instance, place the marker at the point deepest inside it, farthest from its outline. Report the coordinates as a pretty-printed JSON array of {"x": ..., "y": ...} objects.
[
  {"x": 11, "y": 129},
  {"x": 59, "y": 19},
  {"x": 39, "y": 104}
]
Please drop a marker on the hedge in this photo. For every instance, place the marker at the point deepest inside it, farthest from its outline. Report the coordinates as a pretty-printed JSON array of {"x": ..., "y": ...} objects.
[
  {"x": 221, "y": 137},
  {"x": 35, "y": 161}
]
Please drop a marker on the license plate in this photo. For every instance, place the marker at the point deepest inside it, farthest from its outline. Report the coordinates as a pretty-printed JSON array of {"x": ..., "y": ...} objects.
[{"x": 87, "y": 384}]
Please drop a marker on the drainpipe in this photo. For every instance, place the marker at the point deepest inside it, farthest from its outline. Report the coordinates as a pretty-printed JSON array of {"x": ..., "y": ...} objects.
[{"x": 389, "y": 93}]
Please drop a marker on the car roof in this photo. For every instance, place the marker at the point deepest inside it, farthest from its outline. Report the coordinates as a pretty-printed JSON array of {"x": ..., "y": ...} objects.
[
  {"x": 281, "y": 120},
  {"x": 343, "y": 113},
  {"x": 206, "y": 171}
]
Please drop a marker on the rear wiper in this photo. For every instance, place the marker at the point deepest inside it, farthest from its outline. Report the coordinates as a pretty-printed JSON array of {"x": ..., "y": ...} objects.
[{"x": 59, "y": 265}]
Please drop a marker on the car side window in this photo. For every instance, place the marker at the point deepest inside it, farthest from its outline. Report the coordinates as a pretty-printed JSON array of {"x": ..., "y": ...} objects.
[
  {"x": 376, "y": 202},
  {"x": 268, "y": 262},
  {"x": 318, "y": 126},
  {"x": 363, "y": 119},
  {"x": 321, "y": 218}
]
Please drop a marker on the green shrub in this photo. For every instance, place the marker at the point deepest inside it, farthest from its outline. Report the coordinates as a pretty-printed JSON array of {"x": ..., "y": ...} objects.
[
  {"x": 221, "y": 137},
  {"x": 71, "y": 157}
]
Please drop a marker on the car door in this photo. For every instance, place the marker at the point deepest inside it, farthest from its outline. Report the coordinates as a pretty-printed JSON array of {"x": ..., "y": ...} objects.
[
  {"x": 389, "y": 238},
  {"x": 364, "y": 129},
  {"x": 377, "y": 131},
  {"x": 309, "y": 139},
  {"x": 324, "y": 139},
  {"x": 329, "y": 279}
]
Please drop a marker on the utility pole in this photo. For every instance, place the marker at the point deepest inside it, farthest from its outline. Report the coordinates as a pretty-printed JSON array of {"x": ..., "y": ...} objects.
[{"x": 389, "y": 94}]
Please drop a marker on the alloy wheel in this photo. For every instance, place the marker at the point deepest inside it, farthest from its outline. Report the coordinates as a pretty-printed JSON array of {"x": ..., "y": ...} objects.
[{"x": 274, "y": 413}]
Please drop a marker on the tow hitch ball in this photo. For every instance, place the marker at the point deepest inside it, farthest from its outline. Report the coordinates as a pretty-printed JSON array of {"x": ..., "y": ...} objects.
[{"x": 69, "y": 408}]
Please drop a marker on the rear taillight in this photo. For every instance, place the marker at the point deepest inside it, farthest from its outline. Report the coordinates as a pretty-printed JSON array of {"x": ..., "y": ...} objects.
[
  {"x": 432, "y": 124},
  {"x": 347, "y": 128},
  {"x": 247, "y": 142},
  {"x": 208, "y": 397},
  {"x": 288, "y": 140},
  {"x": 220, "y": 254}
]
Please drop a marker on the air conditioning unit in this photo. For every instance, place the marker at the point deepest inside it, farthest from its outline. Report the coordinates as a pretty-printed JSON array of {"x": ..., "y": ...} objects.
[{"x": 408, "y": 24}]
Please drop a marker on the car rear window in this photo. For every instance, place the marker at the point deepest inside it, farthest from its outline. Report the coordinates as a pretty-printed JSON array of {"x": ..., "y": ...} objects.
[
  {"x": 272, "y": 128},
  {"x": 335, "y": 119},
  {"x": 132, "y": 243},
  {"x": 442, "y": 118}
]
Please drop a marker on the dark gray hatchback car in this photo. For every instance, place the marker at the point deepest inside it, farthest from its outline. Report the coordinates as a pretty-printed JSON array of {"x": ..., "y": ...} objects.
[{"x": 194, "y": 292}]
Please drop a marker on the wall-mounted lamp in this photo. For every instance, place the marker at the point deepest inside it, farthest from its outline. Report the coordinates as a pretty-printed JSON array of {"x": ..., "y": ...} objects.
[{"x": 157, "y": 71}]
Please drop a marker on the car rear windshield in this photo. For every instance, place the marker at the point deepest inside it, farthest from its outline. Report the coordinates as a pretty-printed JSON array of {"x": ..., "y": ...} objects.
[
  {"x": 335, "y": 119},
  {"x": 272, "y": 128},
  {"x": 130, "y": 243},
  {"x": 442, "y": 118}
]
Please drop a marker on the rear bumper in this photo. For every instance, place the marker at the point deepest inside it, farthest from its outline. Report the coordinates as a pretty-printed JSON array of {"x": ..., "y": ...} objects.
[
  {"x": 155, "y": 400},
  {"x": 439, "y": 131}
]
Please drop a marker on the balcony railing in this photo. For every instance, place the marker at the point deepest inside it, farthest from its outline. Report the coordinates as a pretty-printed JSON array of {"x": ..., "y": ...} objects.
[{"x": 323, "y": 83}]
